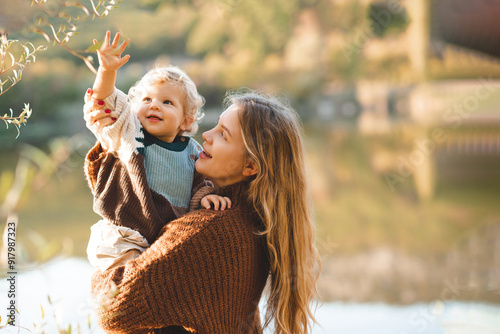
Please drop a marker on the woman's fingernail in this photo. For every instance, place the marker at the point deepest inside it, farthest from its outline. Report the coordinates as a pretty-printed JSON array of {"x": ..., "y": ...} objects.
[
  {"x": 107, "y": 111},
  {"x": 113, "y": 119},
  {"x": 89, "y": 91},
  {"x": 101, "y": 103}
]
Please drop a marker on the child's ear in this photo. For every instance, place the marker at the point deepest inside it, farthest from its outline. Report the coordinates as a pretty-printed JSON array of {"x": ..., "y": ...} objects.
[
  {"x": 250, "y": 168},
  {"x": 186, "y": 123}
]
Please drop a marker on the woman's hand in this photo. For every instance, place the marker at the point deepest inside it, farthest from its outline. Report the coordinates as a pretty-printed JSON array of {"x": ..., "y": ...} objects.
[
  {"x": 109, "y": 55},
  {"x": 95, "y": 113}
]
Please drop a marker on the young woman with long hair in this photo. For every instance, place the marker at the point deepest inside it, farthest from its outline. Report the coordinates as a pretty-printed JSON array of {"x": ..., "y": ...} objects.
[
  {"x": 279, "y": 193},
  {"x": 205, "y": 272}
]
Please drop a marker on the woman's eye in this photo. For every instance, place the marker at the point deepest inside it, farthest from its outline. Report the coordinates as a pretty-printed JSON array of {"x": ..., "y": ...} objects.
[{"x": 222, "y": 134}]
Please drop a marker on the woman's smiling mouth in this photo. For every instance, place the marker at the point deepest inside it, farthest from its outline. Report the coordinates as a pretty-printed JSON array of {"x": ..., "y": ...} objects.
[{"x": 205, "y": 155}]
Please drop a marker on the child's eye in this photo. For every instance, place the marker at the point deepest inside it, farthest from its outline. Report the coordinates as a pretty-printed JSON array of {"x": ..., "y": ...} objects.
[
  {"x": 167, "y": 102},
  {"x": 146, "y": 99},
  {"x": 222, "y": 134}
]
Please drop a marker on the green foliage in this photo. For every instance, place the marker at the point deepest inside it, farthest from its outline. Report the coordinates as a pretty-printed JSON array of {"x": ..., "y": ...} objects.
[
  {"x": 49, "y": 85},
  {"x": 56, "y": 22},
  {"x": 397, "y": 22},
  {"x": 57, "y": 25},
  {"x": 227, "y": 27},
  {"x": 17, "y": 121},
  {"x": 14, "y": 57}
]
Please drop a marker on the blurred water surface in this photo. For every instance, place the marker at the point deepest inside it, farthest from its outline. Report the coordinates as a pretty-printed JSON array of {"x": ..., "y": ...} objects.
[{"x": 66, "y": 282}]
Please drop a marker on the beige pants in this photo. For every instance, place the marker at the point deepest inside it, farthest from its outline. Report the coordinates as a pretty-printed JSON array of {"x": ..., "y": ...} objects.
[{"x": 112, "y": 246}]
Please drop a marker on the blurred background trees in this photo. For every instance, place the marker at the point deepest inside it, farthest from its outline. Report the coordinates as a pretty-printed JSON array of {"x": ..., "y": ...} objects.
[{"x": 369, "y": 79}]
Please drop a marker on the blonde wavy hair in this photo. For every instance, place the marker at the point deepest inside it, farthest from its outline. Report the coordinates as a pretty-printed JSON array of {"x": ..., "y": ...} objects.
[
  {"x": 279, "y": 192},
  {"x": 193, "y": 101}
]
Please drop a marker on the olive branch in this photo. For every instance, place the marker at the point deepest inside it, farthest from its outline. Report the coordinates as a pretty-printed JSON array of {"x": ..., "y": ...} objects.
[
  {"x": 11, "y": 70},
  {"x": 59, "y": 25},
  {"x": 57, "y": 22}
]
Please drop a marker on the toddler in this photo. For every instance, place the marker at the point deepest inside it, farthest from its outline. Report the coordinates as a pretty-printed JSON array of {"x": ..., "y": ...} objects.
[{"x": 141, "y": 171}]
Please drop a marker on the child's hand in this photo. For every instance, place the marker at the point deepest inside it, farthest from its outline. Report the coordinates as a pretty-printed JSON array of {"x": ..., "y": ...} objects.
[
  {"x": 217, "y": 201},
  {"x": 109, "y": 55}
]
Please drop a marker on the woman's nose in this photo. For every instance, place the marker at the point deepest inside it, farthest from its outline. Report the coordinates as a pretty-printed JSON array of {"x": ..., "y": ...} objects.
[{"x": 206, "y": 136}]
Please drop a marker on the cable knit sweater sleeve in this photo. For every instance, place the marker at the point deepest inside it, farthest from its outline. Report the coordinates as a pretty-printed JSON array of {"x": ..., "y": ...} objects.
[
  {"x": 118, "y": 138},
  {"x": 205, "y": 273}
]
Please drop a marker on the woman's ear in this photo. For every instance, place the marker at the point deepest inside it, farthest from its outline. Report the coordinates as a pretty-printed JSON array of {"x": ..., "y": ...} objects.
[{"x": 250, "y": 168}]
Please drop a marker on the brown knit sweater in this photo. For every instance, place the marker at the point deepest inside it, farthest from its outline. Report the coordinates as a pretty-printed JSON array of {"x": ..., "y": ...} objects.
[{"x": 204, "y": 274}]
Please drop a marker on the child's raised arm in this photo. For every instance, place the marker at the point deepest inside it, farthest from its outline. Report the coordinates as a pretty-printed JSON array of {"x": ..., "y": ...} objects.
[{"x": 110, "y": 60}]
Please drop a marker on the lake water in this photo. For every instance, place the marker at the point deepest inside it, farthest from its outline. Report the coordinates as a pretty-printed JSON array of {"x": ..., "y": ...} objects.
[{"x": 66, "y": 281}]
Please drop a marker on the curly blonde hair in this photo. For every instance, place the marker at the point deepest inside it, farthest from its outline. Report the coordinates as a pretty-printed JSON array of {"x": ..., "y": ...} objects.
[{"x": 193, "y": 101}]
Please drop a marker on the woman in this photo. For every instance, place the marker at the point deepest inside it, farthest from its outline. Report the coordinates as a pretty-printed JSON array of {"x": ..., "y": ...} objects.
[{"x": 206, "y": 271}]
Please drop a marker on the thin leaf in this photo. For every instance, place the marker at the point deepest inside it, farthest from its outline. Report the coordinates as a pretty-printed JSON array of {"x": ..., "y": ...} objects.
[
  {"x": 13, "y": 61},
  {"x": 26, "y": 49},
  {"x": 94, "y": 48},
  {"x": 28, "y": 110},
  {"x": 18, "y": 132}
]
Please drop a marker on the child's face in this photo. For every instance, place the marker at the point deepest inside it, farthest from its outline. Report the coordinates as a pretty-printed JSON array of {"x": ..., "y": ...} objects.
[{"x": 160, "y": 110}]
